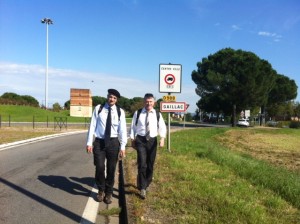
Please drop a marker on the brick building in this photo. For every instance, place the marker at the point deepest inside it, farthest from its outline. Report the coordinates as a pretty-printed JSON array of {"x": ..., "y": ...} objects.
[{"x": 80, "y": 103}]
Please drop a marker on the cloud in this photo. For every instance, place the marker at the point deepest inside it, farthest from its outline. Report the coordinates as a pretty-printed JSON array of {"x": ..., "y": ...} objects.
[
  {"x": 235, "y": 27},
  {"x": 276, "y": 37},
  {"x": 26, "y": 79}
]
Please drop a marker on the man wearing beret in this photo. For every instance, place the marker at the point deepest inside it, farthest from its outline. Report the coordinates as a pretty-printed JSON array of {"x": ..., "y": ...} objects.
[{"x": 108, "y": 126}]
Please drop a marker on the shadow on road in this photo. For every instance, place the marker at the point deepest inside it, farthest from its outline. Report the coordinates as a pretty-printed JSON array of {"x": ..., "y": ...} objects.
[
  {"x": 67, "y": 185},
  {"x": 44, "y": 202}
]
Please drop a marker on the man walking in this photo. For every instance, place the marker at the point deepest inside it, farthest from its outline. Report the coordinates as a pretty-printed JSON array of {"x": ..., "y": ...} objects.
[
  {"x": 146, "y": 124},
  {"x": 108, "y": 126}
]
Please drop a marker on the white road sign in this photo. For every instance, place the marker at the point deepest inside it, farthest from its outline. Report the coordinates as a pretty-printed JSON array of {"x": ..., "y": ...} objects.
[
  {"x": 170, "y": 78},
  {"x": 172, "y": 106}
]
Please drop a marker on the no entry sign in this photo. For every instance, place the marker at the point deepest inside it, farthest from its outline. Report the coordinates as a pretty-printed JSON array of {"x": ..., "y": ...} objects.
[{"x": 170, "y": 78}]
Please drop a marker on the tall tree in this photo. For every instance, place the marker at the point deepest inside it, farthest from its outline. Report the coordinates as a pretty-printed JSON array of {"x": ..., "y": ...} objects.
[
  {"x": 284, "y": 90},
  {"x": 233, "y": 78}
]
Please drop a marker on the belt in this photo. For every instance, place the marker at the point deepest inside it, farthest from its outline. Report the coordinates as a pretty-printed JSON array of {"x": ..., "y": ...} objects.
[
  {"x": 102, "y": 139},
  {"x": 141, "y": 136}
]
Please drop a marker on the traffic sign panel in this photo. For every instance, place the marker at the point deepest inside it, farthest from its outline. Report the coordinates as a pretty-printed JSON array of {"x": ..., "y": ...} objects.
[
  {"x": 172, "y": 106},
  {"x": 169, "y": 98},
  {"x": 170, "y": 78}
]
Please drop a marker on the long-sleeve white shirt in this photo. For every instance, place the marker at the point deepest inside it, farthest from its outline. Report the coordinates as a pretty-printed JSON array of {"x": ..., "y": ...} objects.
[
  {"x": 140, "y": 128},
  {"x": 98, "y": 123}
]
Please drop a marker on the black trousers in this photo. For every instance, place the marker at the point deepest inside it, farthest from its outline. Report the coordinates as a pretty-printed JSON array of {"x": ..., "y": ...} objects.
[
  {"x": 146, "y": 154},
  {"x": 110, "y": 154}
]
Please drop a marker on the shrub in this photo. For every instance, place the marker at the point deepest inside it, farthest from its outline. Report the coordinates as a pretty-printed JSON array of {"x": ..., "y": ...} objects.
[{"x": 294, "y": 124}]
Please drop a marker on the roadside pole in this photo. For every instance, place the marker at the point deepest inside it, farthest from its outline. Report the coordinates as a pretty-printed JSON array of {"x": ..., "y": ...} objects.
[
  {"x": 169, "y": 82},
  {"x": 186, "y": 107},
  {"x": 169, "y": 133},
  {"x": 184, "y": 120}
]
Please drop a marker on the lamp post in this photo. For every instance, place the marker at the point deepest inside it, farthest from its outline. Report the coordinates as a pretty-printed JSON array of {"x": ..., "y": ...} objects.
[{"x": 47, "y": 21}]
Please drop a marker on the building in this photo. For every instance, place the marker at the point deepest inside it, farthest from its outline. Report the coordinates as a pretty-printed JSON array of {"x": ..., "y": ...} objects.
[{"x": 81, "y": 103}]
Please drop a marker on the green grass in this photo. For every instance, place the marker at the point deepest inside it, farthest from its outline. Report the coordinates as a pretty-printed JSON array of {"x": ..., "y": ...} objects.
[
  {"x": 281, "y": 181},
  {"x": 27, "y": 114},
  {"x": 110, "y": 212},
  {"x": 202, "y": 181}
]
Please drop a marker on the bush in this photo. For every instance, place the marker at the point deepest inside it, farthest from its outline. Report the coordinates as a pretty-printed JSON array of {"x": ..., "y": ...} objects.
[
  {"x": 272, "y": 123},
  {"x": 56, "y": 107},
  {"x": 295, "y": 124}
]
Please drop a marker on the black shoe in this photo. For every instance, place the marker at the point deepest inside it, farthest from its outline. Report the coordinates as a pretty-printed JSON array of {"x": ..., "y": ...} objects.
[
  {"x": 143, "y": 194},
  {"x": 108, "y": 198},
  {"x": 100, "y": 196}
]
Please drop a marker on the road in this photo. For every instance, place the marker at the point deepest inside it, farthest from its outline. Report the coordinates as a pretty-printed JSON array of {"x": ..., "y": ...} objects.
[
  {"x": 45, "y": 182},
  {"x": 48, "y": 181}
]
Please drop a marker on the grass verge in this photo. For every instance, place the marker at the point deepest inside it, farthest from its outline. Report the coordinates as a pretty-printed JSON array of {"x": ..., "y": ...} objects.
[
  {"x": 11, "y": 134},
  {"x": 203, "y": 180}
]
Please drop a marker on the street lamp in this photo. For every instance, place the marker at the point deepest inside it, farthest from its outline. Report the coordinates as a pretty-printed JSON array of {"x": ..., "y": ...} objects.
[{"x": 47, "y": 21}]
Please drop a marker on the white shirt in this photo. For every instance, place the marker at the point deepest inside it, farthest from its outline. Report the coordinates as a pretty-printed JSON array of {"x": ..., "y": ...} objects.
[
  {"x": 98, "y": 123},
  {"x": 140, "y": 128}
]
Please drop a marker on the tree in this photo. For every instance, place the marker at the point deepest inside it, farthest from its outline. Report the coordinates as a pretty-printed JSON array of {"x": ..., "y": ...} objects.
[
  {"x": 56, "y": 107},
  {"x": 124, "y": 103},
  {"x": 297, "y": 110},
  {"x": 233, "y": 78},
  {"x": 30, "y": 100},
  {"x": 98, "y": 100},
  {"x": 67, "y": 105},
  {"x": 136, "y": 103},
  {"x": 15, "y": 99},
  {"x": 284, "y": 90}
]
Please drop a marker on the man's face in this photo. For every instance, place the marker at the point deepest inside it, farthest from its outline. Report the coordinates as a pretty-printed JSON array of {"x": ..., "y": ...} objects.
[
  {"x": 111, "y": 99},
  {"x": 149, "y": 103}
]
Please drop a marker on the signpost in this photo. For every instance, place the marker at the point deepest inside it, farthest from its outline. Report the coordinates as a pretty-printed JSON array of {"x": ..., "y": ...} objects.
[
  {"x": 170, "y": 78},
  {"x": 169, "y": 98},
  {"x": 172, "y": 106},
  {"x": 170, "y": 82},
  {"x": 186, "y": 107}
]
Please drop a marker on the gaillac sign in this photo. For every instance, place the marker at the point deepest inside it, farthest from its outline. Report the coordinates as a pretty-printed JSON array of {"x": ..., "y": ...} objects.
[{"x": 172, "y": 106}]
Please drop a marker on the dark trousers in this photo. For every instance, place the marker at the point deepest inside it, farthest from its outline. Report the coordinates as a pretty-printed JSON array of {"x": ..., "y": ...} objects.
[
  {"x": 146, "y": 154},
  {"x": 110, "y": 154}
]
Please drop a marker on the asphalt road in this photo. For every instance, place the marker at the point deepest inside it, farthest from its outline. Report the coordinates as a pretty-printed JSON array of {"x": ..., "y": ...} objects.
[{"x": 45, "y": 182}]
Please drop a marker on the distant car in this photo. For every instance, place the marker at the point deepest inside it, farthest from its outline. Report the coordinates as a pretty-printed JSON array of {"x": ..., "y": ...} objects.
[{"x": 243, "y": 123}]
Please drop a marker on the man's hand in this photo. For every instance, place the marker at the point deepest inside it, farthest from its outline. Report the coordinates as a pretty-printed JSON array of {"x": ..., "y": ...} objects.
[
  {"x": 89, "y": 149},
  {"x": 133, "y": 144},
  {"x": 122, "y": 154},
  {"x": 162, "y": 142}
]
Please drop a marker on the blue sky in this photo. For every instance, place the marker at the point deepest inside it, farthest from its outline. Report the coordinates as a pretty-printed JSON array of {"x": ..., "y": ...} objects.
[{"x": 120, "y": 43}]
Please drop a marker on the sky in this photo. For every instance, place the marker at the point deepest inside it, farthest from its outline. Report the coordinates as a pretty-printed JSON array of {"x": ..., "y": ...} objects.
[{"x": 102, "y": 44}]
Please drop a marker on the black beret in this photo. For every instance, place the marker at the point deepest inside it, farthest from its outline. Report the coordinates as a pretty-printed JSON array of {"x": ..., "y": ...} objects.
[{"x": 114, "y": 92}]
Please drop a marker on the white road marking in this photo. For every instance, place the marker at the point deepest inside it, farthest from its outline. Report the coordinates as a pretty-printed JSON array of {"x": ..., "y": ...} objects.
[{"x": 91, "y": 209}]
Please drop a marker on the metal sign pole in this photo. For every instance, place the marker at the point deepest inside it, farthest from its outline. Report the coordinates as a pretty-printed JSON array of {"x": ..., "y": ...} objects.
[
  {"x": 183, "y": 120},
  {"x": 169, "y": 130},
  {"x": 170, "y": 81},
  {"x": 169, "y": 136}
]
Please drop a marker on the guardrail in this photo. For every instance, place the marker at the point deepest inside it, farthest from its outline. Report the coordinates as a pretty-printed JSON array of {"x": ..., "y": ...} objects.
[{"x": 58, "y": 122}]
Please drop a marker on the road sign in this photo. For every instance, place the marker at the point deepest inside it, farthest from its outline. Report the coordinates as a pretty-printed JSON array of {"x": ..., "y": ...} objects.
[
  {"x": 172, "y": 106},
  {"x": 170, "y": 78},
  {"x": 186, "y": 106},
  {"x": 169, "y": 98}
]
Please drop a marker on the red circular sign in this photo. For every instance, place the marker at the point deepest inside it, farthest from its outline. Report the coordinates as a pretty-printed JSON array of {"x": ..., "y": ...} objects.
[{"x": 169, "y": 79}]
